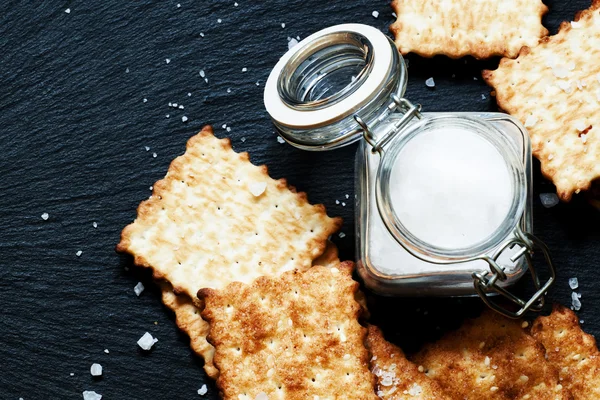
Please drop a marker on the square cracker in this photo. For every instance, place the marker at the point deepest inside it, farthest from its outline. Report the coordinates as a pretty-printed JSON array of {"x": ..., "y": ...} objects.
[
  {"x": 572, "y": 351},
  {"x": 292, "y": 337},
  {"x": 398, "y": 378},
  {"x": 209, "y": 222},
  {"x": 494, "y": 358},
  {"x": 457, "y": 28},
  {"x": 554, "y": 89},
  {"x": 189, "y": 320}
]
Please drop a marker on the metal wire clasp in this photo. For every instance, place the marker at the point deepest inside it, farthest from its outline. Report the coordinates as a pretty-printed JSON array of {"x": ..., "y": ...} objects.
[
  {"x": 486, "y": 283},
  {"x": 397, "y": 105}
]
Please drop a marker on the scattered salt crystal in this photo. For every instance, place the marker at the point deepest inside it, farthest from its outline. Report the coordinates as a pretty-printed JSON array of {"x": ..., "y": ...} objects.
[
  {"x": 243, "y": 139},
  {"x": 154, "y": 155},
  {"x": 347, "y": 196},
  {"x": 181, "y": 107},
  {"x": 474, "y": 78},
  {"x": 549, "y": 199},
  {"x": 206, "y": 80},
  {"x": 573, "y": 283},
  {"x": 298, "y": 38},
  {"x": 235, "y": 4},
  {"x": 224, "y": 126},
  {"x": 283, "y": 24},
  {"x": 167, "y": 60},
  {"x": 343, "y": 204},
  {"x": 95, "y": 224},
  {"x": 228, "y": 90},
  {"x": 280, "y": 139},
  {"x": 415, "y": 390},
  {"x": 486, "y": 362},
  {"x": 244, "y": 69},
  {"x": 257, "y": 83},
  {"x": 394, "y": 15},
  {"x": 138, "y": 289},
  {"x": 189, "y": 94},
  {"x": 430, "y": 83},
  {"x": 581, "y": 321},
  {"x": 531, "y": 121},
  {"x": 45, "y": 216},
  {"x": 91, "y": 395},
  {"x": 565, "y": 86},
  {"x": 342, "y": 235},
  {"x": 219, "y": 20},
  {"x": 202, "y": 73},
  {"x": 576, "y": 24},
  {"x": 337, "y": 202},
  {"x": 575, "y": 302},
  {"x": 291, "y": 43},
  {"x": 96, "y": 369},
  {"x": 126, "y": 70},
  {"x": 203, "y": 390},
  {"x": 257, "y": 188},
  {"x": 68, "y": 11},
  {"x": 201, "y": 34},
  {"x": 178, "y": 5},
  {"x": 145, "y": 100},
  {"x": 482, "y": 96},
  {"x": 147, "y": 341},
  {"x": 579, "y": 295},
  {"x": 72, "y": 374},
  {"x": 375, "y": 14},
  {"x": 106, "y": 351},
  {"x": 228, "y": 129},
  {"x": 79, "y": 253},
  {"x": 170, "y": 104},
  {"x": 167, "y": 116},
  {"x": 174, "y": 104},
  {"x": 184, "y": 119}
]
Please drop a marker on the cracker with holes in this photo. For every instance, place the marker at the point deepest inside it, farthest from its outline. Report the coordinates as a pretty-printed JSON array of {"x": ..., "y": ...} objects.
[
  {"x": 491, "y": 357},
  {"x": 291, "y": 337},
  {"x": 458, "y": 28},
  {"x": 554, "y": 89},
  {"x": 216, "y": 218},
  {"x": 573, "y": 352},
  {"x": 189, "y": 320},
  {"x": 398, "y": 378}
]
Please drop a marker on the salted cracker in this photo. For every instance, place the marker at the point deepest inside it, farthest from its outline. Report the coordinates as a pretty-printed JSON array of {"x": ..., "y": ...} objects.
[
  {"x": 291, "y": 337},
  {"x": 458, "y": 28},
  {"x": 398, "y": 378},
  {"x": 491, "y": 357},
  {"x": 189, "y": 320},
  {"x": 554, "y": 90},
  {"x": 572, "y": 351},
  {"x": 216, "y": 218}
]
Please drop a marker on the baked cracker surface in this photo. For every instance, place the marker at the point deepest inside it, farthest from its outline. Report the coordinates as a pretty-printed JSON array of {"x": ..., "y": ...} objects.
[
  {"x": 491, "y": 357},
  {"x": 573, "y": 352},
  {"x": 216, "y": 218},
  {"x": 296, "y": 336},
  {"x": 457, "y": 28},
  {"x": 398, "y": 378},
  {"x": 189, "y": 320},
  {"x": 554, "y": 90}
]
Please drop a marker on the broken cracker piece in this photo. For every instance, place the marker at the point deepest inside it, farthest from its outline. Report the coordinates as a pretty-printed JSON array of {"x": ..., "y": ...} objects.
[
  {"x": 572, "y": 351},
  {"x": 189, "y": 320},
  {"x": 292, "y": 337},
  {"x": 554, "y": 88},
  {"x": 204, "y": 225},
  {"x": 491, "y": 357},
  {"x": 398, "y": 378},
  {"x": 457, "y": 28}
]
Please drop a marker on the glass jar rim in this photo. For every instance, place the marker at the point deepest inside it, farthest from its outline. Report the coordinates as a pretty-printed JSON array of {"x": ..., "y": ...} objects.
[{"x": 427, "y": 251}]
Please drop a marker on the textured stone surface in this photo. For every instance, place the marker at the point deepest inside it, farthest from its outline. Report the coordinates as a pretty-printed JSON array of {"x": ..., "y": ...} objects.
[{"x": 73, "y": 126}]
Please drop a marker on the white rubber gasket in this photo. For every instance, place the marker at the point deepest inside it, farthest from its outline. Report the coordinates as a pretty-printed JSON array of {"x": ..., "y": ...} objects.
[{"x": 285, "y": 115}]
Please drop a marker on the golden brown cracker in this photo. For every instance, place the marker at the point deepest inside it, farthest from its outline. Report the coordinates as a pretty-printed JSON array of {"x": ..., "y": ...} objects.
[
  {"x": 573, "y": 352},
  {"x": 554, "y": 90},
  {"x": 457, "y": 28},
  {"x": 216, "y": 218},
  {"x": 494, "y": 358},
  {"x": 296, "y": 336},
  {"x": 398, "y": 378}
]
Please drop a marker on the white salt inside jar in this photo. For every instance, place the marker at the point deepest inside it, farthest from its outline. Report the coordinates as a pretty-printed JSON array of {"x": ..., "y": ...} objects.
[{"x": 451, "y": 188}]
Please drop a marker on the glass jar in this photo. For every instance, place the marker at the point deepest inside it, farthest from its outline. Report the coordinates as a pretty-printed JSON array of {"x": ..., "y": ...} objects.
[{"x": 428, "y": 222}]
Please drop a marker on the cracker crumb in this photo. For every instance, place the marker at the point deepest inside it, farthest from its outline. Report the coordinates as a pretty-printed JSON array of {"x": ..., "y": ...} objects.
[
  {"x": 45, "y": 216},
  {"x": 525, "y": 324}
]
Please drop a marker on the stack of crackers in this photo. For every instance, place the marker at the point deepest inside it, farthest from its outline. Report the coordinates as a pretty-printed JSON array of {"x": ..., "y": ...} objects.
[{"x": 244, "y": 262}]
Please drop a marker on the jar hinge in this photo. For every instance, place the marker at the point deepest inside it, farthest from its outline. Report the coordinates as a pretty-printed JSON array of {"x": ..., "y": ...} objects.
[{"x": 400, "y": 105}]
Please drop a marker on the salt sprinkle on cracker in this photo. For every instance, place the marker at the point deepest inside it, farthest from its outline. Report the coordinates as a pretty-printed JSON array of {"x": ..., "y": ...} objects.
[
  {"x": 457, "y": 28},
  {"x": 556, "y": 82},
  {"x": 202, "y": 227},
  {"x": 576, "y": 355},
  {"x": 287, "y": 337},
  {"x": 458, "y": 362}
]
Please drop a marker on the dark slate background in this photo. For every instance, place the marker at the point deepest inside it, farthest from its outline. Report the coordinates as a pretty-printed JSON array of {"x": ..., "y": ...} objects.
[{"x": 73, "y": 131}]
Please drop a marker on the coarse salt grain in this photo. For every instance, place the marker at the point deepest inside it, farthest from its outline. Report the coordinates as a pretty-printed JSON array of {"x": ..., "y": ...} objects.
[
  {"x": 96, "y": 369},
  {"x": 146, "y": 341},
  {"x": 375, "y": 14},
  {"x": 189, "y": 94},
  {"x": 549, "y": 199},
  {"x": 235, "y": 4},
  {"x": 430, "y": 83},
  {"x": 257, "y": 188},
  {"x": 91, "y": 395},
  {"x": 202, "y": 73},
  {"x": 203, "y": 390},
  {"x": 178, "y": 5},
  {"x": 68, "y": 11},
  {"x": 573, "y": 283},
  {"x": 342, "y": 235},
  {"x": 145, "y": 100},
  {"x": 181, "y": 107},
  {"x": 575, "y": 302},
  {"x": 45, "y": 216},
  {"x": 154, "y": 155},
  {"x": 167, "y": 60},
  {"x": 283, "y": 24},
  {"x": 291, "y": 43},
  {"x": 280, "y": 139},
  {"x": 219, "y": 20},
  {"x": 530, "y": 121},
  {"x": 79, "y": 253},
  {"x": 138, "y": 289},
  {"x": 228, "y": 129},
  {"x": 244, "y": 69},
  {"x": 482, "y": 96},
  {"x": 106, "y": 351},
  {"x": 184, "y": 119},
  {"x": 415, "y": 390}
]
